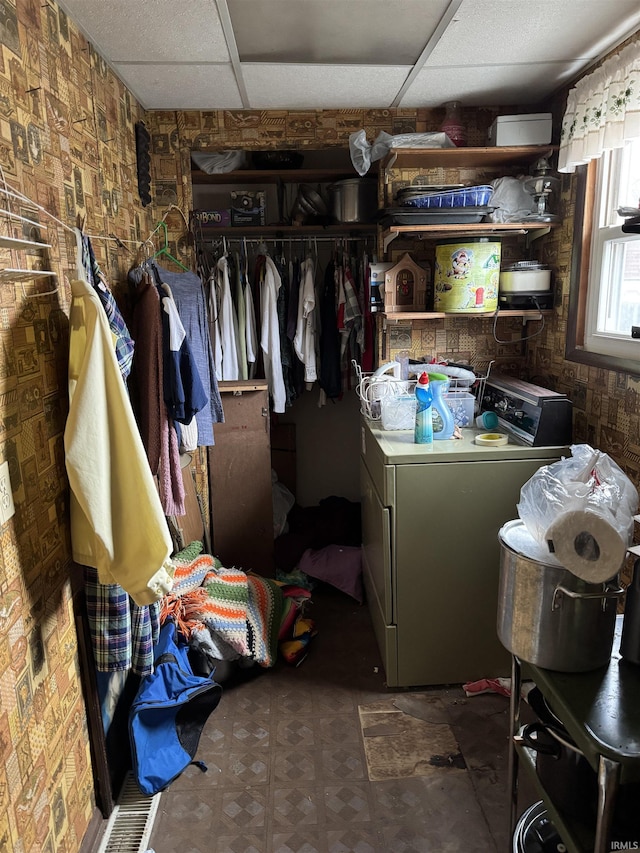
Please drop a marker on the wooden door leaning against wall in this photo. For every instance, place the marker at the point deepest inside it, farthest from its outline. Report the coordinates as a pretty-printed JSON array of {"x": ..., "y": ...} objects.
[{"x": 240, "y": 479}]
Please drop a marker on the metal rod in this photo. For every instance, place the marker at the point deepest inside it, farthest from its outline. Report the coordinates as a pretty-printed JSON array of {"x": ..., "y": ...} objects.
[
  {"x": 284, "y": 239},
  {"x": 514, "y": 725},
  {"x": 608, "y": 783}
]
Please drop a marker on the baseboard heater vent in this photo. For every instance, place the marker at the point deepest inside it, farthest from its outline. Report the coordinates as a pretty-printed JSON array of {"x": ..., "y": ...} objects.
[{"x": 129, "y": 826}]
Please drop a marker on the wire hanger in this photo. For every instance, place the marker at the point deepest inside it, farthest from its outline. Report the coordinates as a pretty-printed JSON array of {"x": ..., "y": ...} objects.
[{"x": 164, "y": 250}]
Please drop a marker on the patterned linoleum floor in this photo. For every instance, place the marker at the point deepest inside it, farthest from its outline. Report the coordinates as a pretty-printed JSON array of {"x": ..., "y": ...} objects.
[{"x": 288, "y": 771}]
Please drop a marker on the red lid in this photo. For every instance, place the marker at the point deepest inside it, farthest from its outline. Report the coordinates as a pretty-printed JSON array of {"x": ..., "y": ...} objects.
[{"x": 424, "y": 379}]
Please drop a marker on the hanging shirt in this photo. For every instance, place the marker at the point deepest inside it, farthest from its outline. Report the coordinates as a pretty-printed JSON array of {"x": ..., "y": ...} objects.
[
  {"x": 270, "y": 335},
  {"x": 351, "y": 331},
  {"x": 147, "y": 398},
  {"x": 250, "y": 329},
  {"x": 122, "y": 634},
  {"x": 329, "y": 337},
  {"x": 184, "y": 393},
  {"x": 189, "y": 297},
  {"x": 88, "y": 270},
  {"x": 117, "y": 522},
  {"x": 227, "y": 323},
  {"x": 240, "y": 316},
  {"x": 304, "y": 341},
  {"x": 214, "y": 325}
]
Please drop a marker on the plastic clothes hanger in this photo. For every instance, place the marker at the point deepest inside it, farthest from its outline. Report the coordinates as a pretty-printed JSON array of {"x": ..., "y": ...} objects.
[{"x": 164, "y": 251}]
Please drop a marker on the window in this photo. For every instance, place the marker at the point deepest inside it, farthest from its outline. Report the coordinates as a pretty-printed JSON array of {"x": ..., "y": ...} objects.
[
  {"x": 613, "y": 301},
  {"x": 609, "y": 286}
]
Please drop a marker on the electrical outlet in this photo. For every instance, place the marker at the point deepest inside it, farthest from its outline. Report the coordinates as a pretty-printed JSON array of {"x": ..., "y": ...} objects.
[{"x": 7, "y": 509}]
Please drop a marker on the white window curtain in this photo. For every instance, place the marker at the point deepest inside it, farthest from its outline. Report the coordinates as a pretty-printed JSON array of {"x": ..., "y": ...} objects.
[{"x": 603, "y": 110}]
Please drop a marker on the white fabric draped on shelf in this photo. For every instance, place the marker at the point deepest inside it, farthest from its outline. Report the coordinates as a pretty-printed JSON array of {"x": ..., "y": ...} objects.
[{"x": 603, "y": 110}]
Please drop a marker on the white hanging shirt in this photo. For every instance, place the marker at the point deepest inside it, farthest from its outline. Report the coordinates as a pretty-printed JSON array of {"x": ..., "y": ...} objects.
[
  {"x": 250, "y": 329},
  {"x": 227, "y": 323},
  {"x": 214, "y": 322},
  {"x": 270, "y": 335},
  {"x": 304, "y": 342}
]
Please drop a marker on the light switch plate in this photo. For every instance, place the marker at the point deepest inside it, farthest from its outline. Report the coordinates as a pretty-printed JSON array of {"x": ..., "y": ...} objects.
[{"x": 7, "y": 509}]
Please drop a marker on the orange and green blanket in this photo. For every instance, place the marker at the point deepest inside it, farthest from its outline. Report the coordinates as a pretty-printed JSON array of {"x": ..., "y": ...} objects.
[{"x": 225, "y": 612}]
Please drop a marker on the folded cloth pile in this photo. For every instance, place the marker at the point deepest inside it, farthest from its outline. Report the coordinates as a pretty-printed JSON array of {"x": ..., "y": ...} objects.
[{"x": 227, "y": 614}]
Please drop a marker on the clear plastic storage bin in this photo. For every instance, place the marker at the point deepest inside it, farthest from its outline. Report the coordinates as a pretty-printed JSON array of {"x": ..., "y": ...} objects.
[
  {"x": 465, "y": 197},
  {"x": 462, "y": 404}
]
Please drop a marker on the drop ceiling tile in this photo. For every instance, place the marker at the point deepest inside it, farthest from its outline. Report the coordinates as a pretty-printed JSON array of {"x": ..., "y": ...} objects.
[
  {"x": 161, "y": 31},
  {"x": 490, "y": 85},
  {"x": 393, "y": 32},
  {"x": 160, "y": 86},
  {"x": 321, "y": 86},
  {"x": 484, "y": 32}
]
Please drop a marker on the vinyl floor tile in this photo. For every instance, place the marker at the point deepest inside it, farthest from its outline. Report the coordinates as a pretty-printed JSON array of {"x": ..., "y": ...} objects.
[{"x": 289, "y": 752}]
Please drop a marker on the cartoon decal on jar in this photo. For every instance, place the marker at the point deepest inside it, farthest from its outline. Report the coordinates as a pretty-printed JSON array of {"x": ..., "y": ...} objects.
[
  {"x": 461, "y": 263},
  {"x": 474, "y": 279}
]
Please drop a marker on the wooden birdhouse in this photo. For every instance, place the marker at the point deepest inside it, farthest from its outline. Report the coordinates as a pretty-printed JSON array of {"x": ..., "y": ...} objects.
[{"x": 405, "y": 286}]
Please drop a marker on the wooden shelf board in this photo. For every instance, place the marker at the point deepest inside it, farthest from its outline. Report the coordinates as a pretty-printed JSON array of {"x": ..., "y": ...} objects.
[
  {"x": 464, "y": 158},
  {"x": 441, "y": 315},
  {"x": 471, "y": 228}
]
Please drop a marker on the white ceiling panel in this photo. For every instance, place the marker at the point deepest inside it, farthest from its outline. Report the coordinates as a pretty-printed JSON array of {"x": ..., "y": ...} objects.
[
  {"x": 337, "y": 54},
  {"x": 323, "y": 86},
  {"x": 486, "y": 32},
  {"x": 489, "y": 85},
  {"x": 156, "y": 31},
  {"x": 184, "y": 87},
  {"x": 334, "y": 32}
]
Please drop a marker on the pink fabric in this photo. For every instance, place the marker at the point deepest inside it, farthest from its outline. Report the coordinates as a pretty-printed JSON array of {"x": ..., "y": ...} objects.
[{"x": 338, "y": 565}]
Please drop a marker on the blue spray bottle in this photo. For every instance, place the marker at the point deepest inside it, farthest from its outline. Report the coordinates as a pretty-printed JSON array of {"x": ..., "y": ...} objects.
[
  {"x": 423, "y": 433},
  {"x": 439, "y": 385}
]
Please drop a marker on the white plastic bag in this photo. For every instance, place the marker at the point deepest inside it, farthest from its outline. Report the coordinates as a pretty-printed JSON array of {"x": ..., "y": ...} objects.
[
  {"x": 580, "y": 512},
  {"x": 219, "y": 162},
  {"x": 511, "y": 201},
  {"x": 283, "y": 501},
  {"x": 363, "y": 154}
]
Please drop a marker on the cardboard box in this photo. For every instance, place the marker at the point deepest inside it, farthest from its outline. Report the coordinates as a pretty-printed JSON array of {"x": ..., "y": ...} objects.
[
  {"x": 528, "y": 129},
  {"x": 221, "y": 218},
  {"x": 247, "y": 207}
]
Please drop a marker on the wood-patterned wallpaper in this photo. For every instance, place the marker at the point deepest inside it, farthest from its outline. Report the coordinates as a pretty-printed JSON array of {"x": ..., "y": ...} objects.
[{"x": 67, "y": 142}]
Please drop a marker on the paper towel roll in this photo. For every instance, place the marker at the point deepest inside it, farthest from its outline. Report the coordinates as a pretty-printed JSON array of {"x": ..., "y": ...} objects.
[{"x": 587, "y": 545}]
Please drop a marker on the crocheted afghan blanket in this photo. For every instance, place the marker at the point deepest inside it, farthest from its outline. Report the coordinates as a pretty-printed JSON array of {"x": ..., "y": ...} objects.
[{"x": 224, "y": 612}]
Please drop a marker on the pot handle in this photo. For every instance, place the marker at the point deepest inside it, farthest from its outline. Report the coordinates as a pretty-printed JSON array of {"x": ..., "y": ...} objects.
[
  {"x": 528, "y": 739},
  {"x": 547, "y": 748},
  {"x": 607, "y": 592}
]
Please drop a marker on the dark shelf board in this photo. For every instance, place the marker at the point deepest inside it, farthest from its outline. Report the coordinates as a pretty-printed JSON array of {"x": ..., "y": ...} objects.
[{"x": 271, "y": 176}]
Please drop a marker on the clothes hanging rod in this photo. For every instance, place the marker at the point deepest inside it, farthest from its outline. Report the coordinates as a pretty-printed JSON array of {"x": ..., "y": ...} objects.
[{"x": 287, "y": 239}]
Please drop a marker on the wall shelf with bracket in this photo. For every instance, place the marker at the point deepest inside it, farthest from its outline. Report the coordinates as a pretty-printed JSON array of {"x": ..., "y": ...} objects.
[
  {"x": 495, "y": 229},
  {"x": 24, "y": 275}
]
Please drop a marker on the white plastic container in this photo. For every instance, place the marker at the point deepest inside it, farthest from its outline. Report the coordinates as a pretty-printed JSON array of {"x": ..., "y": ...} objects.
[
  {"x": 531, "y": 129},
  {"x": 462, "y": 405},
  {"x": 398, "y": 412}
]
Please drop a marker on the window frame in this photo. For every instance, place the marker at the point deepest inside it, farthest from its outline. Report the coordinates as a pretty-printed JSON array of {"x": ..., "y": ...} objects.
[{"x": 586, "y": 186}]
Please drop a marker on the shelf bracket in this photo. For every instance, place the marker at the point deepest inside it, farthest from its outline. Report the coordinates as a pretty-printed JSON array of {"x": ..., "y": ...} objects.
[
  {"x": 389, "y": 166},
  {"x": 535, "y": 235},
  {"x": 388, "y": 239}
]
